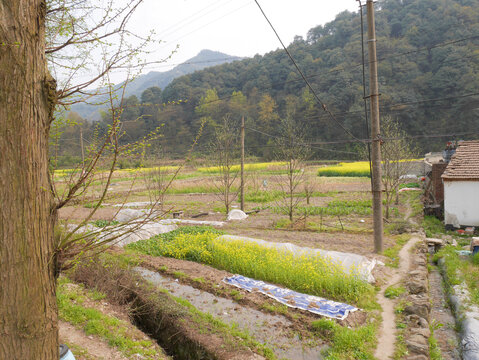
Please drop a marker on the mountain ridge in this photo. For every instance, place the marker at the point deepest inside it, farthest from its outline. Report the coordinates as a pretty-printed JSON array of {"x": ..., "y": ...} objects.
[{"x": 205, "y": 58}]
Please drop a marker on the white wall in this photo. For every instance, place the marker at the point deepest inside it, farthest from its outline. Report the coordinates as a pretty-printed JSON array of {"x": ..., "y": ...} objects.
[{"x": 461, "y": 203}]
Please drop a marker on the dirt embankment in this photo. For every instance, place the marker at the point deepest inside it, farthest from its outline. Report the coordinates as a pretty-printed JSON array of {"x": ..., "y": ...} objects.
[{"x": 179, "y": 331}]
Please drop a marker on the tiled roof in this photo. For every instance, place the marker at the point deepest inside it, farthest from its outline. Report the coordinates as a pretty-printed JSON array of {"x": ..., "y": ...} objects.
[{"x": 464, "y": 164}]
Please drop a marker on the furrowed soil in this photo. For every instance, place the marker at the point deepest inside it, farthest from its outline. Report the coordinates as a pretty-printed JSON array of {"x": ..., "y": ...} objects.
[{"x": 287, "y": 331}]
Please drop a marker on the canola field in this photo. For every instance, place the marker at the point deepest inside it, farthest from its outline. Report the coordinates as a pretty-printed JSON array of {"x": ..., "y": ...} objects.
[
  {"x": 247, "y": 167},
  {"x": 359, "y": 168},
  {"x": 313, "y": 274}
]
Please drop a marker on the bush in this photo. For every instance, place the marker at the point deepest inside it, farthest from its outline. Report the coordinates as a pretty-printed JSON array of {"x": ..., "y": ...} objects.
[
  {"x": 346, "y": 343},
  {"x": 433, "y": 226}
]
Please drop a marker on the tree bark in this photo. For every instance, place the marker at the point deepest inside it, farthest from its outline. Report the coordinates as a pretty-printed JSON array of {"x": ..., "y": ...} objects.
[{"x": 28, "y": 312}]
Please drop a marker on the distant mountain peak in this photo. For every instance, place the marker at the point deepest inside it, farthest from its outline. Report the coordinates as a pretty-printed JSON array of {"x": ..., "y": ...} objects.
[{"x": 204, "y": 59}]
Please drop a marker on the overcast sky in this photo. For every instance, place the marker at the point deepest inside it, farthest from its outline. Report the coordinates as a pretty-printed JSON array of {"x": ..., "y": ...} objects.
[{"x": 234, "y": 27}]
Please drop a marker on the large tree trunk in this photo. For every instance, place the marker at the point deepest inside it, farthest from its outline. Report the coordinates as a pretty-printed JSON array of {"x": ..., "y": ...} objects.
[{"x": 28, "y": 313}]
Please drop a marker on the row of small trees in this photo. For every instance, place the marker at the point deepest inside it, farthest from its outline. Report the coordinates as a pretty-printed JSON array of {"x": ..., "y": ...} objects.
[{"x": 292, "y": 149}]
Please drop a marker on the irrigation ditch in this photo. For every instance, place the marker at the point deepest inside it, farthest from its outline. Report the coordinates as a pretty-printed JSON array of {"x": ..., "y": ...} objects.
[
  {"x": 271, "y": 329},
  {"x": 181, "y": 331},
  {"x": 466, "y": 315}
]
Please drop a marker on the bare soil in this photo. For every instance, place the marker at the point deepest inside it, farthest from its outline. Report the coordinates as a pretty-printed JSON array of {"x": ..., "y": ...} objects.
[
  {"x": 95, "y": 347},
  {"x": 207, "y": 278},
  {"x": 387, "y": 332},
  {"x": 274, "y": 330},
  {"x": 338, "y": 241}
]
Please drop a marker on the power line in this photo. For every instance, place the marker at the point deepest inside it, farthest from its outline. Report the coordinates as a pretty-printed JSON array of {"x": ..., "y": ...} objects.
[
  {"x": 299, "y": 80},
  {"x": 302, "y": 75},
  {"x": 205, "y": 25},
  {"x": 427, "y": 48},
  {"x": 192, "y": 18},
  {"x": 391, "y": 107}
]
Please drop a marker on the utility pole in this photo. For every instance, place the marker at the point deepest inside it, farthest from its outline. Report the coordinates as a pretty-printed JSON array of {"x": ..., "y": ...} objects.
[
  {"x": 242, "y": 164},
  {"x": 375, "y": 131}
]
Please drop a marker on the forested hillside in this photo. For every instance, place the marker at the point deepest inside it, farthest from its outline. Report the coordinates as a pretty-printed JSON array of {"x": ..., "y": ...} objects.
[
  {"x": 136, "y": 87},
  {"x": 428, "y": 77}
]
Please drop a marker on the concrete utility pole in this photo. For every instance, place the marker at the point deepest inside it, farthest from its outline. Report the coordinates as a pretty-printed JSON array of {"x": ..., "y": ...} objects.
[
  {"x": 242, "y": 164},
  {"x": 375, "y": 131}
]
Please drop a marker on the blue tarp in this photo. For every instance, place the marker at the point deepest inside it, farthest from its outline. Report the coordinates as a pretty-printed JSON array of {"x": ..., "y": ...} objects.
[{"x": 292, "y": 298}]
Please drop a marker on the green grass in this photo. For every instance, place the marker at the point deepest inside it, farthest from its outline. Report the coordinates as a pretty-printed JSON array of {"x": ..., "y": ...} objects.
[
  {"x": 459, "y": 269},
  {"x": 275, "y": 308},
  {"x": 409, "y": 185},
  {"x": 434, "y": 349},
  {"x": 346, "y": 343},
  {"x": 236, "y": 294},
  {"x": 116, "y": 332},
  {"x": 263, "y": 196},
  {"x": 198, "y": 189},
  {"x": 433, "y": 226},
  {"x": 393, "y": 252},
  {"x": 91, "y": 205},
  {"x": 80, "y": 352},
  {"x": 475, "y": 259},
  {"x": 103, "y": 223},
  {"x": 394, "y": 292},
  {"x": 309, "y": 274},
  {"x": 334, "y": 208}
]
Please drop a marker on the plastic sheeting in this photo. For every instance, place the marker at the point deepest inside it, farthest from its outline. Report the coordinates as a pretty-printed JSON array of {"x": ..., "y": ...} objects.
[
  {"x": 292, "y": 298},
  {"x": 236, "y": 214},
  {"x": 467, "y": 315},
  {"x": 351, "y": 263},
  {"x": 127, "y": 234},
  {"x": 143, "y": 232},
  {"x": 136, "y": 204},
  {"x": 125, "y": 215},
  {"x": 192, "y": 222}
]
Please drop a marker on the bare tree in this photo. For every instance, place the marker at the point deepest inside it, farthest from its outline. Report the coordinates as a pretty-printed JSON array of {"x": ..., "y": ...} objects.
[
  {"x": 310, "y": 185},
  {"x": 225, "y": 153},
  {"x": 87, "y": 41},
  {"x": 397, "y": 153},
  {"x": 79, "y": 33},
  {"x": 291, "y": 148}
]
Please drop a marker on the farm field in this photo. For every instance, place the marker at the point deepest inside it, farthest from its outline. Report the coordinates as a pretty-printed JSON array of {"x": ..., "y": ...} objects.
[{"x": 192, "y": 262}]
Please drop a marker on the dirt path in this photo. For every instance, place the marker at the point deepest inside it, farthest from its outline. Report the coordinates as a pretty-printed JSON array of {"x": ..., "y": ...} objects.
[
  {"x": 387, "y": 332},
  {"x": 96, "y": 348}
]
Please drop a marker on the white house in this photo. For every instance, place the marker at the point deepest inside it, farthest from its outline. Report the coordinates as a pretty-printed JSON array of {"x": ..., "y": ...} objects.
[{"x": 461, "y": 186}]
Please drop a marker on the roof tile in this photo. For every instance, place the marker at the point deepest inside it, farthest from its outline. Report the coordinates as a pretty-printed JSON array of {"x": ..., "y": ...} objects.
[{"x": 464, "y": 164}]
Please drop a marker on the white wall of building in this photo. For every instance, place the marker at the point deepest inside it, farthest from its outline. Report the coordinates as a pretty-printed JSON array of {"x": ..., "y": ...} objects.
[{"x": 461, "y": 203}]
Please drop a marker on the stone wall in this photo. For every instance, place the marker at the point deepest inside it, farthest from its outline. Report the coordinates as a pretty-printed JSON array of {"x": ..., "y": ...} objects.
[{"x": 418, "y": 306}]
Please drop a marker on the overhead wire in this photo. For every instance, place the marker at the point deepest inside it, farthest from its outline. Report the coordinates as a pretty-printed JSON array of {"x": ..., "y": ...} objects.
[
  {"x": 205, "y": 25},
  {"x": 323, "y": 105},
  {"x": 366, "y": 120}
]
